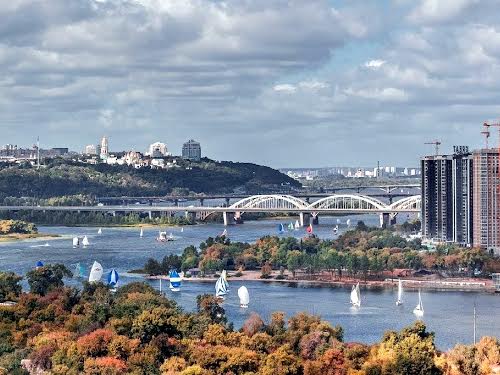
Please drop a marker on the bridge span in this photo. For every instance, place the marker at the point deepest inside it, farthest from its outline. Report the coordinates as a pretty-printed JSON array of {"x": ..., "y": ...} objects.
[{"x": 271, "y": 203}]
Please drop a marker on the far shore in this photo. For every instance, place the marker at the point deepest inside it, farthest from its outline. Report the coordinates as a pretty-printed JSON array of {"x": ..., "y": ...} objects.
[
  {"x": 457, "y": 284},
  {"x": 14, "y": 237}
]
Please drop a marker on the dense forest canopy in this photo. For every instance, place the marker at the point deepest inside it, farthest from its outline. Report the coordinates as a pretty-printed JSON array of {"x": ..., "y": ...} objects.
[
  {"x": 59, "y": 178},
  {"x": 58, "y": 330}
]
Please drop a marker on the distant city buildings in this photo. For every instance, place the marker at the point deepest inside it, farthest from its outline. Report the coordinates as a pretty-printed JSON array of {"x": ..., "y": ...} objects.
[
  {"x": 158, "y": 150},
  {"x": 104, "y": 149},
  {"x": 309, "y": 174},
  {"x": 191, "y": 150},
  {"x": 90, "y": 150}
]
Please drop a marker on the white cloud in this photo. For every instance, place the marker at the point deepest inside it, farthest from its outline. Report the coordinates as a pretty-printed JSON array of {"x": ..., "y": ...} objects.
[
  {"x": 286, "y": 87},
  {"x": 374, "y": 64}
]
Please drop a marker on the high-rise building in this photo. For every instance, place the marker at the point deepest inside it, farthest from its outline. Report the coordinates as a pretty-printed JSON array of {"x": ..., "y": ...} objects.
[
  {"x": 447, "y": 197},
  {"x": 486, "y": 199},
  {"x": 90, "y": 150},
  {"x": 191, "y": 150},
  {"x": 104, "y": 152},
  {"x": 158, "y": 150}
]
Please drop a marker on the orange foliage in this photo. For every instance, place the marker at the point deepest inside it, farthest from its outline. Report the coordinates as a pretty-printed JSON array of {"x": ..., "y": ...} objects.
[{"x": 104, "y": 366}]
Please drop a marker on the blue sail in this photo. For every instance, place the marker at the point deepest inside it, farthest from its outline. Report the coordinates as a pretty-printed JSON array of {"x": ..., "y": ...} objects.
[
  {"x": 220, "y": 287},
  {"x": 113, "y": 277},
  {"x": 175, "y": 280},
  {"x": 39, "y": 264}
]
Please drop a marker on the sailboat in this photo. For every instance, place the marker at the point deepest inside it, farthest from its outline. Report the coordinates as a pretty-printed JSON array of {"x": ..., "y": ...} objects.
[
  {"x": 419, "y": 309},
  {"x": 355, "y": 296},
  {"x": 309, "y": 229},
  {"x": 79, "y": 271},
  {"x": 220, "y": 287},
  {"x": 224, "y": 233},
  {"x": 85, "y": 241},
  {"x": 335, "y": 229},
  {"x": 338, "y": 221},
  {"x": 99, "y": 231},
  {"x": 348, "y": 222},
  {"x": 162, "y": 237},
  {"x": 113, "y": 278},
  {"x": 224, "y": 278},
  {"x": 290, "y": 226},
  {"x": 76, "y": 242},
  {"x": 95, "y": 272},
  {"x": 175, "y": 281},
  {"x": 170, "y": 237},
  {"x": 39, "y": 264},
  {"x": 297, "y": 225},
  {"x": 142, "y": 233},
  {"x": 281, "y": 228},
  {"x": 244, "y": 296},
  {"x": 400, "y": 293},
  {"x": 182, "y": 229}
]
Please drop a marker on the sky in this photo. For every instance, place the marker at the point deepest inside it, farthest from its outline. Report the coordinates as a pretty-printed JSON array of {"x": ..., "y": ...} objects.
[{"x": 283, "y": 83}]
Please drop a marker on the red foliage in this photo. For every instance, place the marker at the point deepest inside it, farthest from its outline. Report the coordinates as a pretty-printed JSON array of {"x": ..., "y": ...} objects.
[{"x": 95, "y": 343}]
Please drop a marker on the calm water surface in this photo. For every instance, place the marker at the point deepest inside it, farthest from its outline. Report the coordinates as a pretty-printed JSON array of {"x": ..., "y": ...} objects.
[{"x": 449, "y": 314}]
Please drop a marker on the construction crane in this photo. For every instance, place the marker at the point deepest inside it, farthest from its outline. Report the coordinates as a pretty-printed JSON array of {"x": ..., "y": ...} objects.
[
  {"x": 486, "y": 133},
  {"x": 436, "y": 144}
]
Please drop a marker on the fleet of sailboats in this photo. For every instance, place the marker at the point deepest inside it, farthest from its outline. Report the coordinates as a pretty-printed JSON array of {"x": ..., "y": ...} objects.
[
  {"x": 419, "y": 309},
  {"x": 355, "y": 296},
  {"x": 244, "y": 296},
  {"x": 399, "y": 302},
  {"x": 175, "y": 281}
]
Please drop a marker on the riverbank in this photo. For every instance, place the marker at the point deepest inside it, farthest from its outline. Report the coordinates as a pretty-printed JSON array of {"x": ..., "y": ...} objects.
[
  {"x": 457, "y": 284},
  {"x": 14, "y": 237}
]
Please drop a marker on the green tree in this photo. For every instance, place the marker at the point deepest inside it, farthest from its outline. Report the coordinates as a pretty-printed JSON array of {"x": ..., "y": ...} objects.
[
  {"x": 293, "y": 261},
  {"x": 44, "y": 279},
  {"x": 10, "y": 289}
]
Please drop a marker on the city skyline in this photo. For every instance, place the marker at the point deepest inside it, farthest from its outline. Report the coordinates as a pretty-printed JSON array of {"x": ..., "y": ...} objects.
[{"x": 335, "y": 82}]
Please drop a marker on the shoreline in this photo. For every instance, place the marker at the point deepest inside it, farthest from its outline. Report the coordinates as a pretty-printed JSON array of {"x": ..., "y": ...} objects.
[
  {"x": 17, "y": 237},
  {"x": 451, "y": 284}
]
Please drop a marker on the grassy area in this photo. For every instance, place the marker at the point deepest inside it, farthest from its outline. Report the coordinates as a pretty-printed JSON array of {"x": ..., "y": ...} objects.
[{"x": 25, "y": 236}]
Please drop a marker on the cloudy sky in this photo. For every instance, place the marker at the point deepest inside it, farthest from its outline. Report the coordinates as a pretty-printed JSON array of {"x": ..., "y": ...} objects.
[{"x": 282, "y": 83}]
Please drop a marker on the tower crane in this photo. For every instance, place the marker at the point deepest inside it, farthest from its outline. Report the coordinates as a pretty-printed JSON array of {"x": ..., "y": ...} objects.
[
  {"x": 436, "y": 144},
  {"x": 486, "y": 133}
]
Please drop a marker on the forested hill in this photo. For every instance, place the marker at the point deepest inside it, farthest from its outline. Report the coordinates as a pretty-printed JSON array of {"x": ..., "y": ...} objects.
[{"x": 62, "y": 178}]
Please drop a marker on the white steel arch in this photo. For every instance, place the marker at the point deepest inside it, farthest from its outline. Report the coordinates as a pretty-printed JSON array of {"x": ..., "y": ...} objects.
[
  {"x": 347, "y": 202},
  {"x": 270, "y": 202},
  {"x": 410, "y": 203}
]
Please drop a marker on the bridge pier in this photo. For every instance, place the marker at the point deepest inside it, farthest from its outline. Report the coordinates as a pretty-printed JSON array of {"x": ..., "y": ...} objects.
[
  {"x": 150, "y": 215},
  {"x": 191, "y": 216},
  {"x": 232, "y": 218},
  {"x": 314, "y": 219},
  {"x": 386, "y": 220},
  {"x": 304, "y": 219}
]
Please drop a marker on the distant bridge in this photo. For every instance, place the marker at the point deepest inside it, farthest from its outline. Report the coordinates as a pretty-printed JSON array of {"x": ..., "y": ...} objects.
[{"x": 270, "y": 203}]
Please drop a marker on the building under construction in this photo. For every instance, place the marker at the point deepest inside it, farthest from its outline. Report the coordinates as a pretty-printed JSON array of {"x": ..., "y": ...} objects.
[{"x": 486, "y": 203}]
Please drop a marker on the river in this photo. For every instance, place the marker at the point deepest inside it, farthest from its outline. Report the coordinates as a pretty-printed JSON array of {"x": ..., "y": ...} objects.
[{"x": 448, "y": 313}]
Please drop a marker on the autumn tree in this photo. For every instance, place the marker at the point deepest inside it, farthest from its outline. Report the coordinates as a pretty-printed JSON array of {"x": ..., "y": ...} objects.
[
  {"x": 44, "y": 279},
  {"x": 10, "y": 289}
]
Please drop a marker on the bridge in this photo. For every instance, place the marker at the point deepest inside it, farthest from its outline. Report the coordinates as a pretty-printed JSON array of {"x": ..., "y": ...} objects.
[
  {"x": 379, "y": 191},
  {"x": 270, "y": 203}
]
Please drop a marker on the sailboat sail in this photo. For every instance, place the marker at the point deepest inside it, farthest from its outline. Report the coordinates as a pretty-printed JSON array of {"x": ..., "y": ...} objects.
[
  {"x": 244, "y": 296},
  {"x": 220, "y": 287},
  {"x": 348, "y": 222},
  {"x": 113, "y": 278},
  {"x": 224, "y": 233},
  {"x": 419, "y": 309},
  {"x": 355, "y": 296},
  {"x": 95, "y": 272},
  {"x": 309, "y": 228},
  {"x": 85, "y": 241},
  {"x": 297, "y": 225},
  {"x": 175, "y": 281},
  {"x": 223, "y": 275},
  {"x": 290, "y": 226},
  {"x": 99, "y": 231},
  {"x": 142, "y": 233},
  {"x": 76, "y": 242},
  {"x": 79, "y": 271},
  {"x": 400, "y": 293},
  {"x": 182, "y": 229},
  {"x": 281, "y": 228}
]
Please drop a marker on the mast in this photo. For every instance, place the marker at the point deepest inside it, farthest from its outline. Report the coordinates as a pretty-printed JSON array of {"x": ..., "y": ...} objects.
[{"x": 474, "y": 323}]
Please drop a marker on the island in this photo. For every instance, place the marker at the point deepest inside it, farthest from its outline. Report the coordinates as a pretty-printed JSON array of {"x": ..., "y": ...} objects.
[{"x": 15, "y": 230}]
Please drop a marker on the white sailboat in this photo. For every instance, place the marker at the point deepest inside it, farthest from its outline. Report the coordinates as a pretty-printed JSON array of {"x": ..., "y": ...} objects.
[
  {"x": 355, "y": 296},
  {"x": 224, "y": 277},
  {"x": 338, "y": 221},
  {"x": 141, "y": 234},
  {"x": 419, "y": 309},
  {"x": 348, "y": 222},
  {"x": 85, "y": 241},
  {"x": 335, "y": 229},
  {"x": 399, "y": 302},
  {"x": 224, "y": 233},
  {"x": 220, "y": 287},
  {"x": 76, "y": 242},
  {"x": 297, "y": 225},
  {"x": 99, "y": 231},
  {"x": 244, "y": 296},
  {"x": 95, "y": 272},
  {"x": 182, "y": 229}
]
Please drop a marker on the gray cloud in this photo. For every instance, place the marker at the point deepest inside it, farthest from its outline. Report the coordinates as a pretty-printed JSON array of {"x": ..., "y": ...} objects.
[{"x": 252, "y": 80}]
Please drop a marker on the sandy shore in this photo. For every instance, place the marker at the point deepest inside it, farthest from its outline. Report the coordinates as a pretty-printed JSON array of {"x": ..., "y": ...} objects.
[
  {"x": 462, "y": 284},
  {"x": 15, "y": 237}
]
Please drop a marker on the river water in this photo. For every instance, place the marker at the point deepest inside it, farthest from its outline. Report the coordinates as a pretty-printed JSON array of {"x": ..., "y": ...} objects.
[{"x": 448, "y": 313}]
